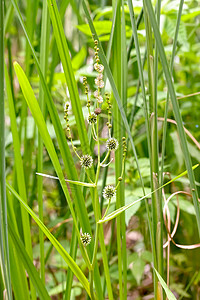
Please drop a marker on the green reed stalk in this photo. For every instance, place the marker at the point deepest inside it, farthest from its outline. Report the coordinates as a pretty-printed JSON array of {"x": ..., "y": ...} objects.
[
  {"x": 167, "y": 100},
  {"x": 4, "y": 248},
  {"x": 124, "y": 74},
  {"x": 152, "y": 63},
  {"x": 19, "y": 171},
  {"x": 176, "y": 110},
  {"x": 119, "y": 71},
  {"x": 44, "y": 51}
]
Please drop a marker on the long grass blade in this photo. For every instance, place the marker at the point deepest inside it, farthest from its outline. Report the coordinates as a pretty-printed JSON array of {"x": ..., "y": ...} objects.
[
  {"x": 117, "y": 212},
  {"x": 4, "y": 248},
  {"x": 71, "y": 263},
  {"x": 65, "y": 152},
  {"x": 44, "y": 51},
  {"x": 176, "y": 109},
  {"x": 113, "y": 85}
]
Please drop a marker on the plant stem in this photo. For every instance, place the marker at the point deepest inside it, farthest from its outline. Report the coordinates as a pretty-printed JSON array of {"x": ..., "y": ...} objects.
[{"x": 4, "y": 249}]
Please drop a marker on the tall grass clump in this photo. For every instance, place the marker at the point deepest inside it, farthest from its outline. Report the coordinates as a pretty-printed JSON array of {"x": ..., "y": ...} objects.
[{"x": 97, "y": 161}]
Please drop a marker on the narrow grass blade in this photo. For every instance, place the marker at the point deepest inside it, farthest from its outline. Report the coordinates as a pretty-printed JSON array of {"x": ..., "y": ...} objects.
[
  {"x": 19, "y": 278},
  {"x": 19, "y": 170},
  {"x": 65, "y": 151},
  {"x": 117, "y": 212},
  {"x": 176, "y": 110},
  {"x": 64, "y": 148},
  {"x": 169, "y": 294},
  {"x": 4, "y": 249},
  {"x": 71, "y": 263},
  {"x": 113, "y": 85},
  {"x": 44, "y": 51},
  {"x": 18, "y": 164},
  {"x": 69, "y": 74},
  {"x": 36, "y": 112},
  {"x": 117, "y": 132}
]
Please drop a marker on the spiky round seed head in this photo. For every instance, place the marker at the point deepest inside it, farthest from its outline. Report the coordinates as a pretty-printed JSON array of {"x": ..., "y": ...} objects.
[
  {"x": 112, "y": 144},
  {"x": 85, "y": 239},
  {"x": 109, "y": 192},
  {"x": 86, "y": 161},
  {"x": 92, "y": 119}
]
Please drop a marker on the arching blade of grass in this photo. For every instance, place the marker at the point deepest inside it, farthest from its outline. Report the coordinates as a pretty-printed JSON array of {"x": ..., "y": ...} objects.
[
  {"x": 175, "y": 109},
  {"x": 18, "y": 164},
  {"x": 167, "y": 100},
  {"x": 113, "y": 85},
  {"x": 117, "y": 212},
  {"x": 71, "y": 263},
  {"x": 19, "y": 171},
  {"x": 25, "y": 259},
  {"x": 65, "y": 152},
  {"x": 77, "y": 109},
  {"x": 20, "y": 284},
  {"x": 64, "y": 148},
  {"x": 69, "y": 74},
  {"x": 4, "y": 249},
  {"x": 169, "y": 294},
  {"x": 36, "y": 112}
]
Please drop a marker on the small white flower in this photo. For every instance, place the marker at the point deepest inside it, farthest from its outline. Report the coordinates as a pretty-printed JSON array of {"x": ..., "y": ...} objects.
[
  {"x": 100, "y": 99},
  {"x": 108, "y": 192},
  {"x": 86, "y": 161},
  {"x": 96, "y": 93},
  {"x": 112, "y": 144},
  {"x": 98, "y": 67},
  {"x": 100, "y": 76},
  {"x": 99, "y": 83}
]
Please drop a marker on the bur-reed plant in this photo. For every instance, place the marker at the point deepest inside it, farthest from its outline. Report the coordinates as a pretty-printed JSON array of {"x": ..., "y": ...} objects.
[{"x": 95, "y": 272}]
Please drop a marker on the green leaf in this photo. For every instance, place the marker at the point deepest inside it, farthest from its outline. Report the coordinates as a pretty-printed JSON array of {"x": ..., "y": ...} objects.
[
  {"x": 78, "y": 59},
  {"x": 138, "y": 269},
  {"x": 117, "y": 212},
  {"x": 32, "y": 272},
  {"x": 101, "y": 27},
  {"x": 71, "y": 263},
  {"x": 130, "y": 212},
  {"x": 169, "y": 294}
]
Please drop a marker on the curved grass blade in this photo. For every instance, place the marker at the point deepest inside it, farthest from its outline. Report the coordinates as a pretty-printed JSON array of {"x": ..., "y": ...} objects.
[
  {"x": 37, "y": 114},
  {"x": 64, "y": 149},
  {"x": 117, "y": 212},
  {"x": 113, "y": 85},
  {"x": 169, "y": 294},
  {"x": 69, "y": 74},
  {"x": 176, "y": 110},
  {"x": 25, "y": 259},
  {"x": 71, "y": 263}
]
